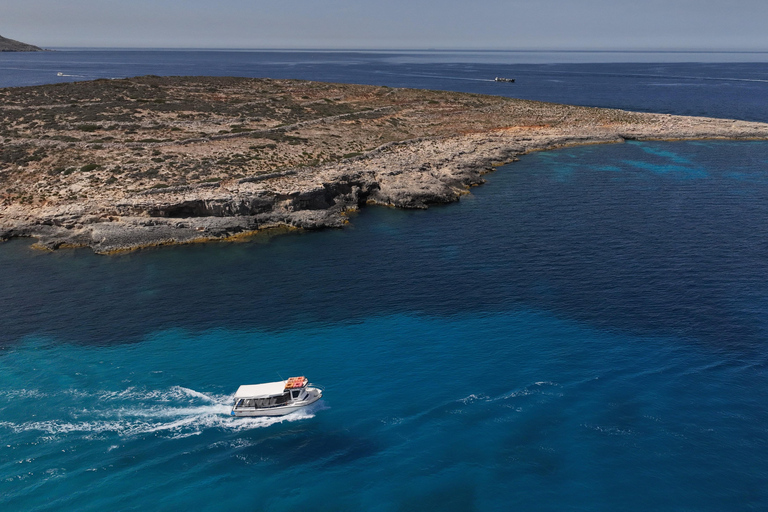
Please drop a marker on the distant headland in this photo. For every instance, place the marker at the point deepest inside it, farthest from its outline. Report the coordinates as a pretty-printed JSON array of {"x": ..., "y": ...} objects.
[
  {"x": 9, "y": 45},
  {"x": 121, "y": 164}
]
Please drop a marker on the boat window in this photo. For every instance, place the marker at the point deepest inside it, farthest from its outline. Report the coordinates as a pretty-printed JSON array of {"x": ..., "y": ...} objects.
[
  {"x": 295, "y": 394},
  {"x": 239, "y": 403}
]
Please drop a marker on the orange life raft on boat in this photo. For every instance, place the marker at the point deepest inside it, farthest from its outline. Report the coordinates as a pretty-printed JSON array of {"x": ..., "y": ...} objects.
[{"x": 295, "y": 383}]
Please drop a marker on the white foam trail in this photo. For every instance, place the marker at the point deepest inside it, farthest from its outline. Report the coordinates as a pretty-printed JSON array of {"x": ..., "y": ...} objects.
[
  {"x": 534, "y": 389},
  {"x": 145, "y": 412},
  {"x": 183, "y": 426},
  {"x": 196, "y": 394},
  {"x": 473, "y": 398},
  {"x": 537, "y": 388},
  {"x": 172, "y": 412},
  {"x": 22, "y": 393},
  {"x": 174, "y": 394},
  {"x": 62, "y": 427}
]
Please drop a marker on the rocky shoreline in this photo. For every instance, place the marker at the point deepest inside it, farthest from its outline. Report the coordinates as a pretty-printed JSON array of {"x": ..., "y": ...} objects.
[{"x": 438, "y": 165}]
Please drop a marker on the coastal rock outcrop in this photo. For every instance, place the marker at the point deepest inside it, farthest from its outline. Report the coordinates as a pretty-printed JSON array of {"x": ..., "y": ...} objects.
[{"x": 118, "y": 165}]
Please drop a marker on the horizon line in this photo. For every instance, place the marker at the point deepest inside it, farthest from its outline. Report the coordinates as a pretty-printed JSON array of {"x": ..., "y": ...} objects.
[{"x": 431, "y": 50}]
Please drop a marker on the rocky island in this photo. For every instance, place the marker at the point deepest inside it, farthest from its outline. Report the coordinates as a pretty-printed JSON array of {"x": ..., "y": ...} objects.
[
  {"x": 121, "y": 164},
  {"x": 10, "y": 45}
]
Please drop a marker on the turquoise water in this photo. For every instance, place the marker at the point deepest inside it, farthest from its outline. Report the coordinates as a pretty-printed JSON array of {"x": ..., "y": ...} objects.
[
  {"x": 472, "y": 412},
  {"x": 587, "y": 331}
]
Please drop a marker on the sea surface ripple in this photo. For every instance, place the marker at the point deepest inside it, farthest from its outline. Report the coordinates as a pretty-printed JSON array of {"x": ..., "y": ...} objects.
[{"x": 586, "y": 331}]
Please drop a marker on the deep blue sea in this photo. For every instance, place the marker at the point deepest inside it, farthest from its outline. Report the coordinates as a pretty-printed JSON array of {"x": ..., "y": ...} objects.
[{"x": 588, "y": 331}]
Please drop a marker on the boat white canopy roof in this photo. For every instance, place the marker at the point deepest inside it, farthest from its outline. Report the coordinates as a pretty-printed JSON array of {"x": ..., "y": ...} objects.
[{"x": 261, "y": 390}]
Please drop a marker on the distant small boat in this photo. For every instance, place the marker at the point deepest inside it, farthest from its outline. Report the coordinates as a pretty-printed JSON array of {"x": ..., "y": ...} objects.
[
  {"x": 59, "y": 74},
  {"x": 275, "y": 398},
  {"x": 501, "y": 79}
]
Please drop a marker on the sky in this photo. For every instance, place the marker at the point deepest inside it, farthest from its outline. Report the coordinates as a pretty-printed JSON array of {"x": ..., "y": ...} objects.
[{"x": 391, "y": 24}]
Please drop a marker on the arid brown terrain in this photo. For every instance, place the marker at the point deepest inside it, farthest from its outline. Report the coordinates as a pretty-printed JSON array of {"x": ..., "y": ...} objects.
[{"x": 121, "y": 164}]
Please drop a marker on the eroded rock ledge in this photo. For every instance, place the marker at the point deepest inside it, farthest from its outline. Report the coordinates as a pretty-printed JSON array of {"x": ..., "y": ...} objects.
[{"x": 218, "y": 158}]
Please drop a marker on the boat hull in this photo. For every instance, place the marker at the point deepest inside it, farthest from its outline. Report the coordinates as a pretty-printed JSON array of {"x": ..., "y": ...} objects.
[{"x": 280, "y": 410}]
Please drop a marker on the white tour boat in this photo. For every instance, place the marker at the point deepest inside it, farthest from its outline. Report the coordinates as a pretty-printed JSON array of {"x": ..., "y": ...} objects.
[{"x": 275, "y": 398}]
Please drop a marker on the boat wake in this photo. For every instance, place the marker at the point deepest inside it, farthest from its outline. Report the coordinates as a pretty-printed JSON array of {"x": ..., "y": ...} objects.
[
  {"x": 177, "y": 412},
  {"x": 504, "y": 403},
  {"x": 443, "y": 77},
  {"x": 659, "y": 76}
]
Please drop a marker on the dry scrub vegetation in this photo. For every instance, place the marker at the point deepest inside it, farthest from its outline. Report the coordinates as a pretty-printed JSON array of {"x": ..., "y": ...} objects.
[{"x": 67, "y": 142}]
